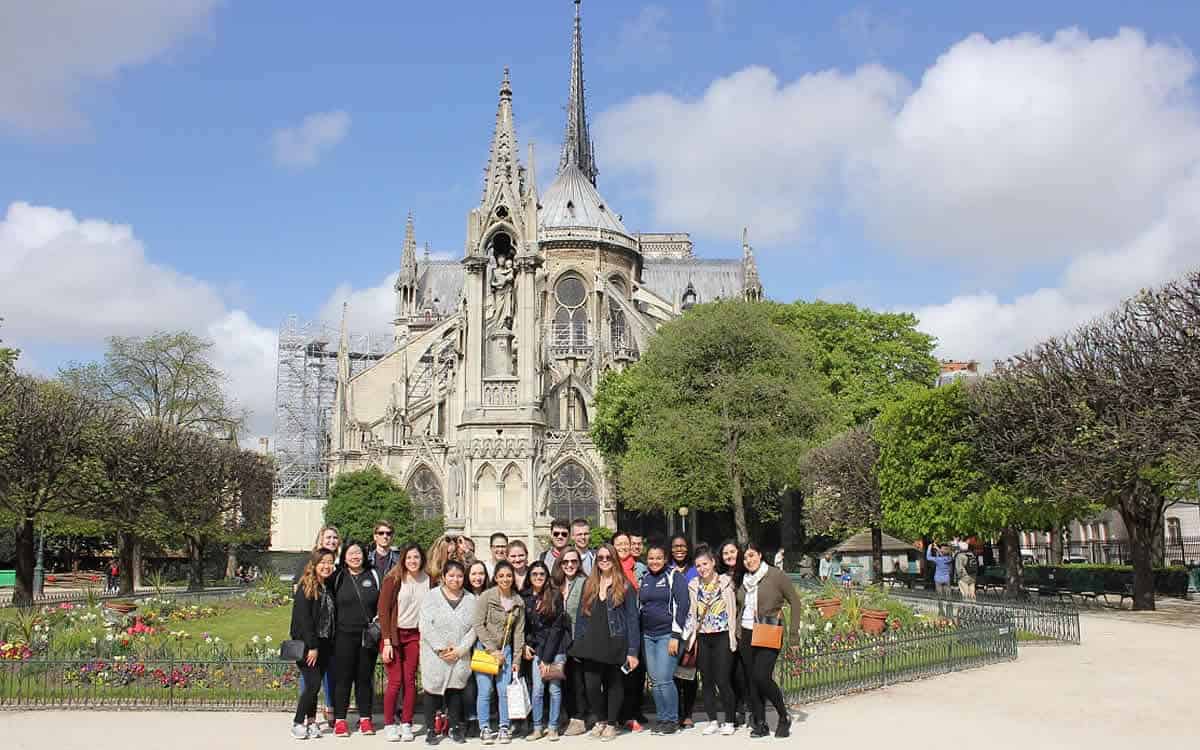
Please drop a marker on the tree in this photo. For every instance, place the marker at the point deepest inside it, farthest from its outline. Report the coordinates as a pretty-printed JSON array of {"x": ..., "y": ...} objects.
[
  {"x": 716, "y": 415},
  {"x": 167, "y": 377},
  {"x": 359, "y": 499},
  {"x": 47, "y": 461},
  {"x": 1108, "y": 412},
  {"x": 843, "y": 489},
  {"x": 8, "y": 358},
  {"x": 197, "y": 496}
]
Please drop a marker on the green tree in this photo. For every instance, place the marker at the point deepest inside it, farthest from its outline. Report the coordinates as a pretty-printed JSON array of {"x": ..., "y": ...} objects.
[
  {"x": 716, "y": 415},
  {"x": 8, "y": 358},
  {"x": 843, "y": 489},
  {"x": 168, "y": 377},
  {"x": 359, "y": 499}
]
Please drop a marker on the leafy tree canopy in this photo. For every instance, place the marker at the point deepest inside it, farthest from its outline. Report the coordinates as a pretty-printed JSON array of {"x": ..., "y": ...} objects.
[{"x": 360, "y": 499}]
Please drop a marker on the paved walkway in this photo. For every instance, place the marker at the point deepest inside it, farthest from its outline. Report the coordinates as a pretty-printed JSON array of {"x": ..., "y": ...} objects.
[{"x": 1130, "y": 682}]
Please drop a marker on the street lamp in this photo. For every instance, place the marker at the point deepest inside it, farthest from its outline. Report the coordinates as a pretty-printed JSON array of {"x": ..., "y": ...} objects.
[
  {"x": 683, "y": 513},
  {"x": 39, "y": 570}
]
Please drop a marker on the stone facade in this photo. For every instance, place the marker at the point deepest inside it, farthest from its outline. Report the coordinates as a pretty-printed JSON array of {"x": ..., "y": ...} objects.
[{"x": 482, "y": 410}]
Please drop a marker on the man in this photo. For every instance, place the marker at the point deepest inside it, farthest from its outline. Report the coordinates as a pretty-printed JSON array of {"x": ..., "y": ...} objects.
[
  {"x": 499, "y": 545},
  {"x": 966, "y": 566},
  {"x": 581, "y": 534},
  {"x": 637, "y": 545},
  {"x": 829, "y": 568},
  {"x": 383, "y": 557},
  {"x": 560, "y": 538},
  {"x": 942, "y": 563}
]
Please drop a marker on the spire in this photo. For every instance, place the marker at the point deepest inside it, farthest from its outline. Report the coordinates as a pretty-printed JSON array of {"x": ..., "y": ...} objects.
[
  {"x": 752, "y": 287},
  {"x": 408, "y": 258},
  {"x": 502, "y": 165},
  {"x": 577, "y": 143},
  {"x": 341, "y": 400}
]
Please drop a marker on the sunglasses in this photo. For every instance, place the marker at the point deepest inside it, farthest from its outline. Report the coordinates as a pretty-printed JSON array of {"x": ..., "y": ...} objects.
[
  {"x": 603, "y": 558},
  {"x": 383, "y": 533},
  {"x": 570, "y": 562},
  {"x": 537, "y": 574},
  {"x": 559, "y": 534}
]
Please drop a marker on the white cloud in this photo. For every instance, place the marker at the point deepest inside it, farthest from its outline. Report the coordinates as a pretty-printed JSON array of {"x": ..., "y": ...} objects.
[
  {"x": 304, "y": 145},
  {"x": 368, "y": 310},
  {"x": 75, "y": 282},
  {"x": 749, "y": 151},
  {"x": 49, "y": 49}
]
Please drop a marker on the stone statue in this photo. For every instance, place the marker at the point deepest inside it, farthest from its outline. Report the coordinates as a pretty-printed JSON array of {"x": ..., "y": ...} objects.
[
  {"x": 504, "y": 293},
  {"x": 454, "y": 483}
]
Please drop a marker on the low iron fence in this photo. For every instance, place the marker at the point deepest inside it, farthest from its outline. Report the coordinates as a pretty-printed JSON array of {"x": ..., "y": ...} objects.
[
  {"x": 1033, "y": 619},
  {"x": 82, "y": 597}
]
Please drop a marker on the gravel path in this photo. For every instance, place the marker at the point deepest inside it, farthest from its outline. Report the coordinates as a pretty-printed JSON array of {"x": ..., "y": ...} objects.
[{"x": 1131, "y": 681}]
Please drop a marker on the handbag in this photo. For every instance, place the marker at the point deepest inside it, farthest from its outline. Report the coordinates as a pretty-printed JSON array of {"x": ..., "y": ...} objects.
[
  {"x": 482, "y": 661},
  {"x": 554, "y": 672},
  {"x": 372, "y": 633},
  {"x": 293, "y": 650},
  {"x": 767, "y": 633},
  {"x": 518, "y": 700}
]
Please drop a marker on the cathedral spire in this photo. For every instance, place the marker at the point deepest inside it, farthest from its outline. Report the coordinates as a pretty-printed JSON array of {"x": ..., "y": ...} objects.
[
  {"x": 503, "y": 167},
  {"x": 577, "y": 143},
  {"x": 752, "y": 288},
  {"x": 408, "y": 258}
]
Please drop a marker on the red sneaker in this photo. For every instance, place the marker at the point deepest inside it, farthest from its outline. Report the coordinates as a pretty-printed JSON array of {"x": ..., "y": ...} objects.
[
  {"x": 633, "y": 725},
  {"x": 340, "y": 729},
  {"x": 365, "y": 726}
]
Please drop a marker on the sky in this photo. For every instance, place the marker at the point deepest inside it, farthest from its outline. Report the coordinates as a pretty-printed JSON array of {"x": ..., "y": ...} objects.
[{"x": 1005, "y": 171}]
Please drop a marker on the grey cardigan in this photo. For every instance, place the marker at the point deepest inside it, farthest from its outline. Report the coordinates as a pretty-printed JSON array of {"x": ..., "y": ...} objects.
[{"x": 443, "y": 626}]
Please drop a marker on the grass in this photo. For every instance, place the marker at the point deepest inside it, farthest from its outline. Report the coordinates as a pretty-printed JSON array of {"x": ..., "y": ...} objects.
[{"x": 240, "y": 623}]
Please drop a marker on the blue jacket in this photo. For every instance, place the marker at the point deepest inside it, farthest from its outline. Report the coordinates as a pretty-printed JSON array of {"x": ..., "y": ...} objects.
[
  {"x": 621, "y": 622},
  {"x": 941, "y": 565},
  {"x": 665, "y": 602}
]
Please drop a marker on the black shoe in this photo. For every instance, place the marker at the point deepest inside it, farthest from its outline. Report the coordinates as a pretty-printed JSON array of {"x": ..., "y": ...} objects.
[
  {"x": 760, "y": 730},
  {"x": 458, "y": 735},
  {"x": 432, "y": 737},
  {"x": 739, "y": 719},
  {"x": 784, "y": 727},
  {"x": 668, "y": 727}
]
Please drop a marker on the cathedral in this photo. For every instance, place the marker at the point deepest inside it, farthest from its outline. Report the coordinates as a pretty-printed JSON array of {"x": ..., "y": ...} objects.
[{"x": 481, "y": 410}]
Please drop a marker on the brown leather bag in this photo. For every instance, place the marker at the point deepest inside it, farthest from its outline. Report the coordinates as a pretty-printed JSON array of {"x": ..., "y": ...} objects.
[{"x": 767, "y": 633}]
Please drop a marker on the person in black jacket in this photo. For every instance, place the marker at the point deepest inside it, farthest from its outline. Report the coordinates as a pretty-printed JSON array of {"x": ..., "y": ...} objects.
[
  {"x": 313, "y": 623},
  {"x": 356, "y": 596},
  {"x": 547, "y": 638}
]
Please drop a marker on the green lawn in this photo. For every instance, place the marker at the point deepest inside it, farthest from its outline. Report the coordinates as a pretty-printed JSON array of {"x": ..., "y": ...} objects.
[{"x": 239, "y": 624}]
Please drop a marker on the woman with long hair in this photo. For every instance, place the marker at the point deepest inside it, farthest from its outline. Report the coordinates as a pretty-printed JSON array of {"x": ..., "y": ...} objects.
[
  {"x": 478, "y": 579},
  {"x": 313, "y": 623},
  {"x": 635, "y": 682},
  {"x": 681, "y": 563},
  {"x": 764, "y": 592},
  {"x": 608, "y": 638},
  {"x": 729, "y": 563},
  {"x": 714, "y": 604},
  {"x": 500, "y": 627},
  {"x": 547, "y": 638},
  {"x": 518, "y": 557},
  {"x": 663, "y": 595},
  {"x": 440, "y": 552},
  {"x": 568, "y": 579},
  {"x": 356, "y": 596},
  {"x": 447, "y": 638},
  {"x": 328, "y": 538},
  {"x": 400, "y": 596}
]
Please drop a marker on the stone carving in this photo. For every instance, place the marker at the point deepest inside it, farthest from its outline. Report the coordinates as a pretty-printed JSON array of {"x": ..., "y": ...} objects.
[
  {"x": 499, "y": 448},
  {"x": 454, "y": 484},
  {"x": 504, "y": 394},
  {"x": 504, "y": 294}
]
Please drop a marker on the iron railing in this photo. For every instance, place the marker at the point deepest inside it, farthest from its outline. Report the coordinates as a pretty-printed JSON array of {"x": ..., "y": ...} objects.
[
  {"x": 81, "y": 597},
  {"x": 1034, "y": 619}
]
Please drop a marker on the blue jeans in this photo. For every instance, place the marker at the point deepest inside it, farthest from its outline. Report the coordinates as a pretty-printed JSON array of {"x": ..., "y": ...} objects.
[
  {"x": 485, "y": 683},
  {"x": 539, "y": 690},
  {"x": 660, "y": 665}
]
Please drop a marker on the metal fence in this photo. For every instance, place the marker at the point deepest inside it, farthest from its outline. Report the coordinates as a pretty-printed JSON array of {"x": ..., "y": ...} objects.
[
  {"x": 81, "y": 597},
  {"x": 1176, "y": 550},
  {"x": 821, "y": 675},
  {"x": 1035, "y": 619}
]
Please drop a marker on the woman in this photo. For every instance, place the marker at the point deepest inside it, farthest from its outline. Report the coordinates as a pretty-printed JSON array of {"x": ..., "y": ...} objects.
[
  {"x": 313, "y": 623},
  {"x": 568, "y": 580},
  {"x": 681, "y": 562},
  {"x": 400, "y": 597},
  {"x": 500, "y": 627},
  {"x": 714, "y": 603},
  {"x": 547, "y": 638},
  {"x": 328, "y": 538},
  {"x": 466, "y": 550},
  {"x": 447, "y": 637},
  {"x": 356, "y": 596},
  {"x": 608, "y": 637},
  {"x": 440, "y": 552},
  {"x": 635, "y": 682},
  {"x": 764, "y": 592},
  {"x": 663, "y": 595},
  {"x": 518, "y": 557},
  {"x": 478, "y": 580},
  {"x": 730, "y": 564}
]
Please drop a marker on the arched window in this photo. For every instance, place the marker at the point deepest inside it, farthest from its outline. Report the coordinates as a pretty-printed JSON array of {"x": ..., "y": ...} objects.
[
  {"x": 426, "y": 494},
  {"x": 573, "y": 493},
  {"x": 1174, "y": 530},
  {"x": 487, "y": 494},
  {"x": 570, "y": 332}
]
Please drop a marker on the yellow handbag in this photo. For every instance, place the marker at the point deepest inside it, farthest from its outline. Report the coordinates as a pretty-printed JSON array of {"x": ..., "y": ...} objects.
[{"x": 484, "y": 663}]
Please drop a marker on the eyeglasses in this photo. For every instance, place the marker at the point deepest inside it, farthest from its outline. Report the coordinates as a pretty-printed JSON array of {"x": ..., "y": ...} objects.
[
  {"x": 603, "y": 558},
  {"x": 383, "y": 533},
  {"x": 559, "y": 534},
  {"x": 678, "y": 546},
  {"x": 537, "y": 574},
  {"x": 569, "y": 562},
  {"x": 499, "y": 546}
]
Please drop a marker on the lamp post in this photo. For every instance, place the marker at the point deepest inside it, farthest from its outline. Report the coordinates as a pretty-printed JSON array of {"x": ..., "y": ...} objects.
[
  {"x": 39, "y": 570},
  {"x": 683, "y": 513}
]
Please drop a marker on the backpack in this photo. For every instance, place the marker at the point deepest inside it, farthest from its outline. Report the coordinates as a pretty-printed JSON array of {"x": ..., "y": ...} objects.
[{"x": 972, "y": 563}]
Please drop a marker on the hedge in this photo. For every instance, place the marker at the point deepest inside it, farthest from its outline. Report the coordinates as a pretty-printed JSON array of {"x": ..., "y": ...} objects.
[{"x": 1170, "y": 581}]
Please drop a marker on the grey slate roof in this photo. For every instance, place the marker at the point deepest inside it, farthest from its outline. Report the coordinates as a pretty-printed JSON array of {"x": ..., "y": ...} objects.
[
  {"x": 572, "y": 201},
  {"x": 711, "y": 278},
  {"x": 861, "y": 543},
  {"x": 442, "y": 282}
]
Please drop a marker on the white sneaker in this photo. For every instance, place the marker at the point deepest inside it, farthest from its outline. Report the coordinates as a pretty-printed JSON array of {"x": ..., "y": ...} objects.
[
  {"x": 727, "y": 728},
  {"x": 314, "y": 731},
  {"x": 406, "y": 732},
  {"x": 391, "y": 733},
  {"x": 299, "y": 732},
  {"x": 711, "y": 728}
]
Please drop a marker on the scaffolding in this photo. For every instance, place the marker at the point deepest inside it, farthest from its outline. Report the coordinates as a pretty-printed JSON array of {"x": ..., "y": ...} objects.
[{"x": 305, "y": 386}]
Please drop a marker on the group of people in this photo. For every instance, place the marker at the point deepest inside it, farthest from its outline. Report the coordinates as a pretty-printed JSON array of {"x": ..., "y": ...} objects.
[{"x": 576, "y": 631}]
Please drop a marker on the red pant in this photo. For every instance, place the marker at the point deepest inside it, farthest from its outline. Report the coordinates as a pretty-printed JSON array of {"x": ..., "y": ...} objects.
[{"x": 402, "y": 675}]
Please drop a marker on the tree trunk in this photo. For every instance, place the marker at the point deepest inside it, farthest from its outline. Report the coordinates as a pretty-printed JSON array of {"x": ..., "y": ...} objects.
[
  {"x": 231, "y": 558},
  {"x": 1141, "y": 552},
  {"x": 739, "y": 510},
  {"x": 23, "y": 592},
  {"x": 876, "y": 554},
  {"x": 195, "y": 548},
  {"x": 1056, "y": 545},
  {"x": 127, "y": 555},
  {"x": 136, "y": 563},
  {"x": 1013, "y": 572}
]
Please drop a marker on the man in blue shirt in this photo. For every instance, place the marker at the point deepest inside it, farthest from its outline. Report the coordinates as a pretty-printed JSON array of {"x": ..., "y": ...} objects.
[{"x": 942, "y": 563}]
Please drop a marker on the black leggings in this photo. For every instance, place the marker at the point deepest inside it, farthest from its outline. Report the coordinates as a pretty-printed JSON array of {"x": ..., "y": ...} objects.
[
  {"x": 605, "y": 688},
  {"x": 575, "y": 702},
  {"x": 714, "y": 660},
  {"x": 354, "y": 666},
  {"x": 635, "y": 691},
  {"x": 452, "y": 701},
  {"x": 687, "y": 690},
  {"x": 306, "y": 707},
  {"x": 760, "y": 674}
]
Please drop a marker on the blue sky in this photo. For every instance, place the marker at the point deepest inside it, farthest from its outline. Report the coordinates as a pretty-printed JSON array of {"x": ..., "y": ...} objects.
[{"x": 860, "y": 143}]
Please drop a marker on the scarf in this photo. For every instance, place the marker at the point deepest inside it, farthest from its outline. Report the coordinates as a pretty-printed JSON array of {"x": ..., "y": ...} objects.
[
  {"x": 751, "y": 581},
  {"x": 627, "y": 566}
]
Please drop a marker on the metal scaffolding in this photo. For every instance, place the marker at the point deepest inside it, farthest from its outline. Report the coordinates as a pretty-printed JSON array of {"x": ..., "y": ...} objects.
[{"x": 305, "y": 385}]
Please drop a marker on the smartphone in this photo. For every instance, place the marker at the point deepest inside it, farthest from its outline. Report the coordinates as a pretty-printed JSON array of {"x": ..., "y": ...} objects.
[{"x": 625, "y": 668}]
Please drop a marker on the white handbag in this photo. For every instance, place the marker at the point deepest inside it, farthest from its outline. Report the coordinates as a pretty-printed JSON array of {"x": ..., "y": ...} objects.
[{"x": 518, "y": 699}]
